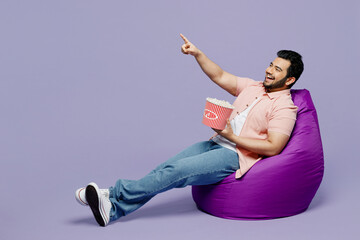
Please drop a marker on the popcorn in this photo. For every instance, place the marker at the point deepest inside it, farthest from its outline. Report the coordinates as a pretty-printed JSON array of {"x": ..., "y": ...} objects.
[
  {"x": 216, "y": 113},
  {"x": 221, "y": 103}
]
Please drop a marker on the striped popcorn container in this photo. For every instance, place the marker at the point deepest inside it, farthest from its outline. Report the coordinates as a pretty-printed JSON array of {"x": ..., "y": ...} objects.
[{"x": 216, "y": 113}]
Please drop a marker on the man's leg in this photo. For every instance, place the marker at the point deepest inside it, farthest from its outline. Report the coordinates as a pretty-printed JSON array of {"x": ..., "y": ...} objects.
[
  {"x": 201, "y": 164},
  {"x": 192, "y": 150}
]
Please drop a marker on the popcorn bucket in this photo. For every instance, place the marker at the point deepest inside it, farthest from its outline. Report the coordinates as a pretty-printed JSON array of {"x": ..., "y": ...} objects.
[{"x": 216, "y": 113}]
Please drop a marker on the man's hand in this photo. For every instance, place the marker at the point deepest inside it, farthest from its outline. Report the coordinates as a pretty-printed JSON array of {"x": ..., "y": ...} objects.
[
  {"x": 271, "y": 146},
  {"x": 224, "y": 79},
  {"x": 188, "y": 47},
  {"x": 227, "y": 132}
]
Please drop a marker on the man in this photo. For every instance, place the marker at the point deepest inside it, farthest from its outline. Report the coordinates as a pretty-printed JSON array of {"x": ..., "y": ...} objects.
[{"x": 260, "y": 125}]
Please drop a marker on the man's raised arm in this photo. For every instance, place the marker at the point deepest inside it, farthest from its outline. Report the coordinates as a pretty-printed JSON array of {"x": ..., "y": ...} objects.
[{"x": 224, "y": 79}]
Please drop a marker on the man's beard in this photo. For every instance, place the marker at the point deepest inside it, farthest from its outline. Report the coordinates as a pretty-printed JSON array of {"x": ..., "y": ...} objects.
[{"x": 278, "y": 84}]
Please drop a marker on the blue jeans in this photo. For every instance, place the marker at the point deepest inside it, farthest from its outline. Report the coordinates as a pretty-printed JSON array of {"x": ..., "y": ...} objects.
[{"x": 200, "y": 164}]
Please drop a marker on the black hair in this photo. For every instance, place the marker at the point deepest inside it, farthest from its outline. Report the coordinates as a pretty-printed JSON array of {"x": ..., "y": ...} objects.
[{"x": 296, "y": 67}]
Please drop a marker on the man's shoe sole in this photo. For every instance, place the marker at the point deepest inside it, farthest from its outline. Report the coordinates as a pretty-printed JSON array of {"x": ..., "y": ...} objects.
[{"x": 93, "y": 200}]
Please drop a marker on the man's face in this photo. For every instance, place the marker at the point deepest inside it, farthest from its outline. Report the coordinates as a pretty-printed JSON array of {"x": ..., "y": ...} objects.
[{"x": 275, "y": 74}]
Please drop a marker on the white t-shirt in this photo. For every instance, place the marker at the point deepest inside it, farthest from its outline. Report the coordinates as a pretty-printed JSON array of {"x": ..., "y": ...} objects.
[{"x": 236, "y": 124}]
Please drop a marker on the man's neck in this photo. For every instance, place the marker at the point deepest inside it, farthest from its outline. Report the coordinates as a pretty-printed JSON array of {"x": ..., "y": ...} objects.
[{"x": 270, "y": 90}]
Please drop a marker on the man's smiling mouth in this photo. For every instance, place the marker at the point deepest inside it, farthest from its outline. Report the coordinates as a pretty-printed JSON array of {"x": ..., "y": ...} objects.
[{"x": 269, "y": 77}]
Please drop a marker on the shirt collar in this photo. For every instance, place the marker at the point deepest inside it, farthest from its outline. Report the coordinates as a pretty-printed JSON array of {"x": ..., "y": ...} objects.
[{"x": 278, "y": 93}]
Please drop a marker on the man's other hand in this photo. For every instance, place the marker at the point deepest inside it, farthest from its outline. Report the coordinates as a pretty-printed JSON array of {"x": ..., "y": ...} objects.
[{"x": 227, "y": 132}]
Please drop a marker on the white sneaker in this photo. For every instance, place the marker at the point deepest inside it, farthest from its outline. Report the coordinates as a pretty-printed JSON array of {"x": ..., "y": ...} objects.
[
  {"x": 81, "y": 198},
  {"x": 99, "y": 203}
]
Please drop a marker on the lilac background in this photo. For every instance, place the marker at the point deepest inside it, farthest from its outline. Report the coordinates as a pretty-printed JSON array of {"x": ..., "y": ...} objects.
[{"x": 97, "y": 90}]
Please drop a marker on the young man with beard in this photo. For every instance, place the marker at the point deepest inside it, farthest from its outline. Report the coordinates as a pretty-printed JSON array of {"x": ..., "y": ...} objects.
[{"x": 260, "y": 125}]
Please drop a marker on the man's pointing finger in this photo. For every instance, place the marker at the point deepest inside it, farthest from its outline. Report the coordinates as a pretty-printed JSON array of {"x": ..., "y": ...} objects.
[{"x": 184, "y": 38}]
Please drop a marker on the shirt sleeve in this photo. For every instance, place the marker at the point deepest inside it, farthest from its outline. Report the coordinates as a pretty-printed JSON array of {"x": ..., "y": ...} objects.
[
  {"x": 283, "y": 117},
  {"x": 243, "y": 83}
]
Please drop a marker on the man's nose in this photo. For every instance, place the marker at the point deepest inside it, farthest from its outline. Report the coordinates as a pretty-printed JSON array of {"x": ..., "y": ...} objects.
[{"x": 270, "y": 70}]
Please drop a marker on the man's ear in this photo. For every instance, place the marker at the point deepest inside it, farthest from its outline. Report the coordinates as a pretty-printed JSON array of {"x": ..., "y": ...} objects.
[{"x": 289, "y": 81}]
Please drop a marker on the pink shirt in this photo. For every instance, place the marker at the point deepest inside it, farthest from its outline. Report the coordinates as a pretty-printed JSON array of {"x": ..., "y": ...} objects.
[{"x": 273, "y": 112}]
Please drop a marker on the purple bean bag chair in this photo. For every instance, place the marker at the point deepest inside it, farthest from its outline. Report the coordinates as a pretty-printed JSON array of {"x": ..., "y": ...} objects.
[{"x": 278, "y": 186}]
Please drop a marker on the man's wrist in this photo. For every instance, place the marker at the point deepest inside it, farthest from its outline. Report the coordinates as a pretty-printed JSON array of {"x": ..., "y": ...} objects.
[
  {"x": 232, "y": 137},
  {"x": 198, "y": 54}
]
